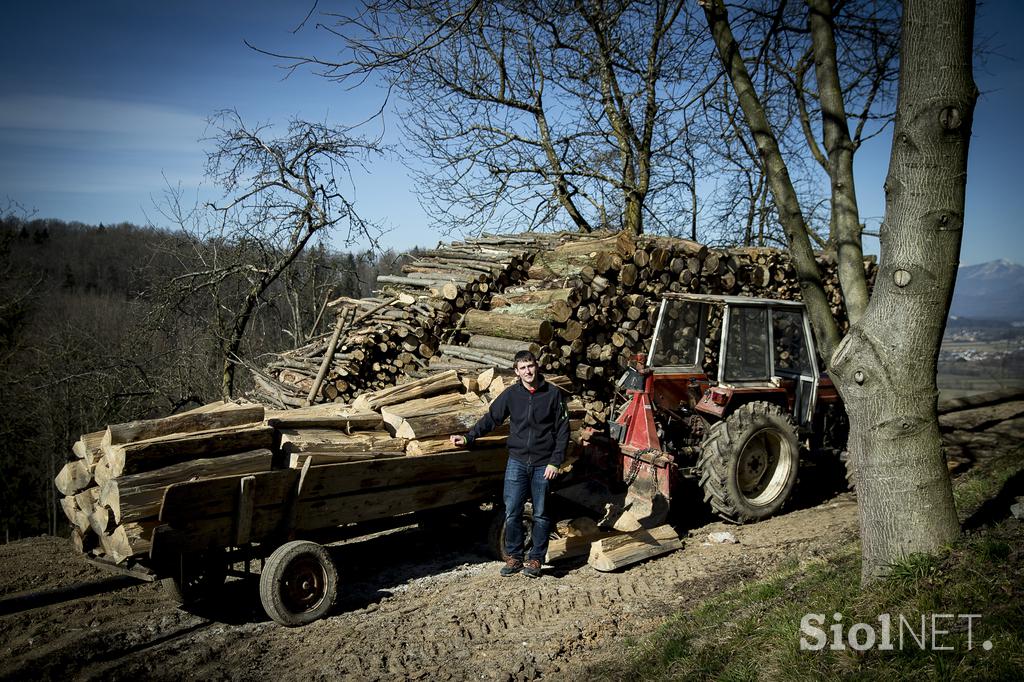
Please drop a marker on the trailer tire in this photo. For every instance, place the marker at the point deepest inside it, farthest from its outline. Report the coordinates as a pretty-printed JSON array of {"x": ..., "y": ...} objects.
[
  {"x": 299, "y": 583},
  {"x": 749, "y": 461},
  {"x": 198, "y": 576},
  {"x": 496, "y": 531}
]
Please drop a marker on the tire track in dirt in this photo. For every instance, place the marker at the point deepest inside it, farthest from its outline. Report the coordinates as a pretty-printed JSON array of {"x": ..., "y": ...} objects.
[{"x": 458, "y": 621}]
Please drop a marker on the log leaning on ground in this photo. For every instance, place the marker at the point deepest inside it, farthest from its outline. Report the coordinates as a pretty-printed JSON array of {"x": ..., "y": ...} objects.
[{"x": 622, "y": 550}]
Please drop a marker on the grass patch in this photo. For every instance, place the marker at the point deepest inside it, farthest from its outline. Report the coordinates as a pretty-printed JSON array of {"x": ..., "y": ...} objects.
[{"x": 754, "y": 632}]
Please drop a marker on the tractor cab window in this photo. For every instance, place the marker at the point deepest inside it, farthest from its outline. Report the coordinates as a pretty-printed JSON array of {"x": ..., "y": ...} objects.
[
  {"x": 675, "y": 344},
  {"x": 746, "y": 345},
  {"x": 790, "y": 342}
]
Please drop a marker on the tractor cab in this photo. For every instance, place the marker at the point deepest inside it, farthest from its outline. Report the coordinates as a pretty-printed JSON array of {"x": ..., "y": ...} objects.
[{"x": 743, "y": 347}]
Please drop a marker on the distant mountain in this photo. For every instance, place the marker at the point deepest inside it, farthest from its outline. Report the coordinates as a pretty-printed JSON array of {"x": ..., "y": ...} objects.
[{"x": 989, "y": 291}]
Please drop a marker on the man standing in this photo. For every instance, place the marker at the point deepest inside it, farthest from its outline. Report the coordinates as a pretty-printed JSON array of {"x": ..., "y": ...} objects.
[{"x": 538, "y": 435}]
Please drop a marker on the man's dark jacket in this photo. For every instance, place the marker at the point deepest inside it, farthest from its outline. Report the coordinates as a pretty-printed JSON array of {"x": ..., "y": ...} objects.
[{"x": 538, "y": 423}]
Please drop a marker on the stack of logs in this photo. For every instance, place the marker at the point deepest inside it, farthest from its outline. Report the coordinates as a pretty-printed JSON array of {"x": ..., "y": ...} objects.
[
  {"x": 114, "y": 485},
  {"x": 584, "y": 304},
  {"x": 591, "y": 304},
  {"x": 378, "y": 339}
]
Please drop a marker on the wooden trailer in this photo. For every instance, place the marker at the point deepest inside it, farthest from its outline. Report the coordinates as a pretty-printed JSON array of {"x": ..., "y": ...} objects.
[{"x": 207, "y": 525}]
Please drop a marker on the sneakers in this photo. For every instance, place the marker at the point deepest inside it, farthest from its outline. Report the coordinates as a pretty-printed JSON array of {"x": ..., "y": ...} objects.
[
  {"x": 531, "y": 569},
  {"x": 511, "y": 567}
]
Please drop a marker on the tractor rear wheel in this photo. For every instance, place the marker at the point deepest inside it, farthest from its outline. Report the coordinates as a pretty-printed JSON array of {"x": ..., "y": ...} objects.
[{"x": 748, "y": 462}]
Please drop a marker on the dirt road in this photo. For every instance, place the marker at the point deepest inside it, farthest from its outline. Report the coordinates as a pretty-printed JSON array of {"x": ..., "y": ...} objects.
[{"x": 414, "y": 606}]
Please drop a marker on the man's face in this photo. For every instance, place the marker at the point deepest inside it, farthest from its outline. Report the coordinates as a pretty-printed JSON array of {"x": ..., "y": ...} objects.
[{"x": 527, "y": 372}]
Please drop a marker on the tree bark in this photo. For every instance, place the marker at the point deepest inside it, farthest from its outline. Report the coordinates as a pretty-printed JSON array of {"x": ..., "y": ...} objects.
[
  {"x": 845, "y": 233},
  {"x": 885, "y": 368},
  {"x": 786, "y": 201}
]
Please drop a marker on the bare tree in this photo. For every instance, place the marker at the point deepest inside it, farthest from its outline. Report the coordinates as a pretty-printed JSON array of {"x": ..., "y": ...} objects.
[
  {"x": 281, "y": 194},
  {"x": 531, "y": 114},
  {"x": 885, "y": 366}
]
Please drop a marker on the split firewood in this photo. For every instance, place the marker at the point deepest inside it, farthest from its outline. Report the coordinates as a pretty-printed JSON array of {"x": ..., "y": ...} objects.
[
  {"x": 616, "y": 552},
  {"x": 74, "y": 477},
  {"x": 88, "y": 447}
]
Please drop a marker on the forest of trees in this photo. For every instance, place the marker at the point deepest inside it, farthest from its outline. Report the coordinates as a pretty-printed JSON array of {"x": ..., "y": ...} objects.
[{"x": 94, "y": 331}]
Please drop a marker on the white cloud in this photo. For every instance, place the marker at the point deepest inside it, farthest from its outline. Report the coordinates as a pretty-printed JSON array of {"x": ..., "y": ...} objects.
[{"x": 87, "y": 123}]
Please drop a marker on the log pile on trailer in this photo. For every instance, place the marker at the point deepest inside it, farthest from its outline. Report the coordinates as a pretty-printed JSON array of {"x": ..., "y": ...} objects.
[{"x": 117, "y": 485}]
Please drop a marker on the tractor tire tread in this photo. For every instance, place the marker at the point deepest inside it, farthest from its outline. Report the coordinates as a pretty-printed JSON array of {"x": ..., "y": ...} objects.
[{"x": 719, "y": 455}]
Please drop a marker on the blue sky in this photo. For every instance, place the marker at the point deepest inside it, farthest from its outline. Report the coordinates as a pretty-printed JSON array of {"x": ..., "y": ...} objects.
[{"x": 102, "y": 103}]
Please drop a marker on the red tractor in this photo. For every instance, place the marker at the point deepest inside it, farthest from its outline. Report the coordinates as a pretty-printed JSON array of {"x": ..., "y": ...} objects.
[{"x": 730, "y": 393}]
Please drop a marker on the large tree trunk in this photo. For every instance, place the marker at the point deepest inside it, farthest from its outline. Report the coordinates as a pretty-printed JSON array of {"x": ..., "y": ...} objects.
[
  {"x": 845, "y": 237},
  {"x": 885, "y": 368}
]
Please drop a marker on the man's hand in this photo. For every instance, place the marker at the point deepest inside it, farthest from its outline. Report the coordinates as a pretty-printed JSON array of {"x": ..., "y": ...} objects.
[
  {"x": 458, "y": 440},
  {"x": 550, "y": 471}
]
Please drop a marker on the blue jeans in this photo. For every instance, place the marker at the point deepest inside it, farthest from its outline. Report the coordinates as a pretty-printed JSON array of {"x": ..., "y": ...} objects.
[{"x": 521, "y": 479}]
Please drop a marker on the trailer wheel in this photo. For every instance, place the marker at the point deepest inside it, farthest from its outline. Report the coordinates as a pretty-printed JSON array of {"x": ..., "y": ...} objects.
[
  {"x": 496, "y": 531},
  {"x": 299, "y": 583},
  {"x": 748, "y": 462},
  {"x": 198, "y": 576}
]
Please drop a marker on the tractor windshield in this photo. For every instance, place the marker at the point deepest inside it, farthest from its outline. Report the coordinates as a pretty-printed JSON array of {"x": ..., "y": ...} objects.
[{"x": 675, "y": 343}]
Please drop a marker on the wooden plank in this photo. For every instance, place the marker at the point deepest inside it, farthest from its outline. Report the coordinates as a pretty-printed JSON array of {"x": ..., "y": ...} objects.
[
  {"x": 328, "y": 481},
  {"x": 326, "y": 417},
  {"x": 190, "y": 500},
  {"x": 189, "y": 422},
  {"x": 317, "y": 514},
  {"x": 194, "y": 500},
  {"x": 334, "y": 441},
  {"x": 140, "y": 494},
  {"x": 243, "y": 515},
  {"x": 297, "y": 460},
  {"x": 629, "y": 548},
  {"x": 335, "y": 511},
  {"x": 146, "y": 455}
]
